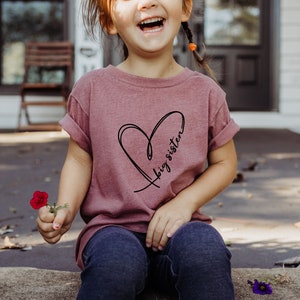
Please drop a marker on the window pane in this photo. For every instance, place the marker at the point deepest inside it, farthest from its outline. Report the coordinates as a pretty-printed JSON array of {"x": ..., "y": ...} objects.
[
  {"x": 26, "y": 21},
  {"x": 232, "y": 22}
]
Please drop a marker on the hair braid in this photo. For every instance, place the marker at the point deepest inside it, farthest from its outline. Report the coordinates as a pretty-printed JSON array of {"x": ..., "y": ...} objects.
[{"x": 192, "y": 46}]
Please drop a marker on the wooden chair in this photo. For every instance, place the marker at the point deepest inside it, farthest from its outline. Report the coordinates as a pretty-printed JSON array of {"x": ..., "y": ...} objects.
[{"x": 48, "y": 72}]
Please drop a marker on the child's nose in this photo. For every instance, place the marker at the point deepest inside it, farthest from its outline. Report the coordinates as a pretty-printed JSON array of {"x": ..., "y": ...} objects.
[{"x": 146, "y": 4}]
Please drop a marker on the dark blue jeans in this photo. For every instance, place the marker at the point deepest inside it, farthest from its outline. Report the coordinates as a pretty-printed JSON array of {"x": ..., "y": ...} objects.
[{"x": 194, "y": 265}]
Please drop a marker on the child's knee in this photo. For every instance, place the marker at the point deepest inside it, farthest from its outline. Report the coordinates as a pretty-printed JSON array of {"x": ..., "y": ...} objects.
[{"x": 199, "y": 243}]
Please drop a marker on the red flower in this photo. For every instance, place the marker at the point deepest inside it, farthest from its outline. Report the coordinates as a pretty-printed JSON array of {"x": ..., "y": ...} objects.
[{"x": 39, "y": 200}]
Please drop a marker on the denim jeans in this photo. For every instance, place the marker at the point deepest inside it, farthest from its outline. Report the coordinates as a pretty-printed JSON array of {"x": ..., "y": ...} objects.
[{"x": 194, "y": 265}]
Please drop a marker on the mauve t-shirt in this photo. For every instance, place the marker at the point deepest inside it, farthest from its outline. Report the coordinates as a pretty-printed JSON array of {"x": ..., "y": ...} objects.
[{"x": 149, "y": 139}]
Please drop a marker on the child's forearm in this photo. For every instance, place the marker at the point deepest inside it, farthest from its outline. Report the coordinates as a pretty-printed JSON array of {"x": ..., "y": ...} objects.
[
  {"x": 219, "y": 174},
  {"x": 75, "y": 178}
]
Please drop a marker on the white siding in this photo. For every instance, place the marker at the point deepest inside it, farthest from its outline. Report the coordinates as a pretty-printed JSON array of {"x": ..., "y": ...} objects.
[{"x": 290, "y": 61}]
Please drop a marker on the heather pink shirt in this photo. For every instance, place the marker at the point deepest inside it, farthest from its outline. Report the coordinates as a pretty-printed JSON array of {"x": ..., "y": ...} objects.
[{"x": 149, "y": 139}]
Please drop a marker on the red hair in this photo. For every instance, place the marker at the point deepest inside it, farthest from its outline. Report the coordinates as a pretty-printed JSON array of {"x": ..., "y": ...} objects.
[
  {"x": 104, "y": 9},
  {"x": 97, "y": 12}
]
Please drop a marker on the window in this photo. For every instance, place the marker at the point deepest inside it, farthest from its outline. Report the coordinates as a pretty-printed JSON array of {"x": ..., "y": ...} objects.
[
  {"x": 23, "y": 21},
  {"x": 232, "y": 22}
]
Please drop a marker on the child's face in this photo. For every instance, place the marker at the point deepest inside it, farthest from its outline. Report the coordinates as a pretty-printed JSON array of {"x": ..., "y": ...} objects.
[{"x": 148, "y": 25}]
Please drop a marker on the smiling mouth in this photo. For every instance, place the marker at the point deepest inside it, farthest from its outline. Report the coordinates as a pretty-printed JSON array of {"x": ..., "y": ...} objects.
[{"x": 151, "y": 24}]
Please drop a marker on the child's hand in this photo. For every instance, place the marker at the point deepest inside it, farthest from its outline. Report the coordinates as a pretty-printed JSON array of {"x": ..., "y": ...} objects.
[
  {"x": 53, "y": 227},
  {"x": 166, "y": 221}
]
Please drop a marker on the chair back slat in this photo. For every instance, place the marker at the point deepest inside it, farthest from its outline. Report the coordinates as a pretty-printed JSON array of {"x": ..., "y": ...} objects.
[{"x": 49, "y": 54}]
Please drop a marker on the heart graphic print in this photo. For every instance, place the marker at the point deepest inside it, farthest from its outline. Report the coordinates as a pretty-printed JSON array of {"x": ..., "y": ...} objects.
[{"x": 142, "y": 149}]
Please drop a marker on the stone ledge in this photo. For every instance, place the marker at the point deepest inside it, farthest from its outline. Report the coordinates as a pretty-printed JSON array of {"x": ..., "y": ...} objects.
[{"x": 29, "y": 283}]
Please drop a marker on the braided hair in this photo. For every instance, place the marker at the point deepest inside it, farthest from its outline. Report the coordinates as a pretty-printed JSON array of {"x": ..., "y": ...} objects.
[{"x": 193, "y": 48}]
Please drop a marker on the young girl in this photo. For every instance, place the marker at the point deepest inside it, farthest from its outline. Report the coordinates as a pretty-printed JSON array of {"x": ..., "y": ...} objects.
[{"x": 140, "y": 136}]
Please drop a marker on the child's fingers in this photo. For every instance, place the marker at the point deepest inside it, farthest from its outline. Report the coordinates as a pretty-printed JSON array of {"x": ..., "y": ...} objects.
[
  {"x": 44, "y": 220},
  {"x": 43, "y": 227},
  {"x": 169, "y": 230},
  {"x": 52, "y": 237},
  {"x": 60, "y": 219},
  {"x": 46, "y": 231},
  {"x": 175, "y": 226},
  {"x": 50, "y": 226},
  {"x": 163, "y": 241},
  {"x": 150, "y": 232},
  {"x": 49, "y": 234},
  {"x": 45, "y": 216},
  {"x": 156, "y": 235}
]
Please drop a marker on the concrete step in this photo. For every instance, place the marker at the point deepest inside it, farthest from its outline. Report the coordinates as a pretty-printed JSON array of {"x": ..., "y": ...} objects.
[{"x": 29, "y": 283}]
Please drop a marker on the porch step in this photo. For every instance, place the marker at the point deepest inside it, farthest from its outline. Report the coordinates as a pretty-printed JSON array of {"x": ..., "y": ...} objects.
[{"x": 23, "y": 283}]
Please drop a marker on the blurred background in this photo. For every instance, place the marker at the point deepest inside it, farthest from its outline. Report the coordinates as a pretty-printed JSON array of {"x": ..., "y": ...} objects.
[{"x": 253, "y": 46}]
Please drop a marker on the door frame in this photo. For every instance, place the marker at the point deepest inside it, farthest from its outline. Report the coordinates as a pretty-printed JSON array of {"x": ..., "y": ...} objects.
[{"x": 275, "y": 21}]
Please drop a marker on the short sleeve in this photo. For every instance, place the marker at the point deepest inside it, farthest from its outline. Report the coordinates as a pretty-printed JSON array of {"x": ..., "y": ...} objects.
[
  {"x": 76, "y": 122},
  {"x": 222, "y": 128}
]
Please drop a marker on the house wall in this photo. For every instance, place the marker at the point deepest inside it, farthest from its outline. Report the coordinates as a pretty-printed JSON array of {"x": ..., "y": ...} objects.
[
  {"x": 290, "y": 58},
  {"x": 89, "y": 55}
]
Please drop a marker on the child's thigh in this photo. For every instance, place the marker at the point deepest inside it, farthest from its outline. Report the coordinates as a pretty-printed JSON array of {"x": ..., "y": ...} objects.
[
  {"x": 115, "y": 247},
  {"x": 116, "y": 265}
]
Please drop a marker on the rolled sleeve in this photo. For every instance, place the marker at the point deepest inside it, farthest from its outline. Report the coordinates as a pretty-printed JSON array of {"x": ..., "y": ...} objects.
[
  {"x": 222, "y": 128},
  {"x": 76, "y": 133},
  {"x": 76, "y": 121},
  {"x": 224, "y": 136}
]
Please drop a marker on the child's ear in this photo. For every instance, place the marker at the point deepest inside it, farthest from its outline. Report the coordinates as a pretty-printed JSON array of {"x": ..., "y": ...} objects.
[{"x": 188, "y": 6}]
